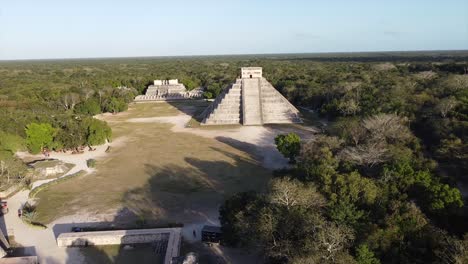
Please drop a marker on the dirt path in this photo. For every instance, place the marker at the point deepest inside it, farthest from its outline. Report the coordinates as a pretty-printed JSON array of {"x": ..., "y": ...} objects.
[
  {"x": 42, "y": 242},
  {"x": 254, "y": 139}
]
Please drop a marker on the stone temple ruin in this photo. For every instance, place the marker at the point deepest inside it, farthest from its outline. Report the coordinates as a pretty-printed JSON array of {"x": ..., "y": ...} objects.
[
  {"x": 163, "y": 90},
  {"x": 251, "y": 100}
]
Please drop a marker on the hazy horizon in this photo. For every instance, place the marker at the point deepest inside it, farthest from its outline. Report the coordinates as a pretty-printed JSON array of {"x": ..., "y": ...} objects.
[
  {"x": 319, "y": 54},
  {"x": 55, "y": 29}
]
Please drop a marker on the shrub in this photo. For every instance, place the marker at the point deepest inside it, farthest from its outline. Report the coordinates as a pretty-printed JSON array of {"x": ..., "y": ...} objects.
[
  {"x": 289, "y": 145},
  {"x": 29, "y": 215},
  {"x": 91, "y": 163},
  {"x": 39, "y": 136}
]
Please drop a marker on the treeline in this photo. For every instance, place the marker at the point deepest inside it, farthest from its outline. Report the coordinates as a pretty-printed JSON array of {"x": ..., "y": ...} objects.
[
  {"x": 71, "y": 135},
  {"x": 430, "y": 91},
  {"x": 39, "y": 119},
  {"x": 380, "y": 184},
  {"x": 362, "y": 192},
  {"x": 12, "y": 170},
  {"x": 434, "y": 98},
  {"x": 58, "y": 120}
]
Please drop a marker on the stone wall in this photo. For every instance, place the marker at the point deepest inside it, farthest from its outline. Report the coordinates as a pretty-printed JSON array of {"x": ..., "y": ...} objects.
[
  {"x": 112, "y": 237},
  {"x": 20, "y": 260},
  {"x": 171, "y": 236},
  {"x": 166, "y": 82}
]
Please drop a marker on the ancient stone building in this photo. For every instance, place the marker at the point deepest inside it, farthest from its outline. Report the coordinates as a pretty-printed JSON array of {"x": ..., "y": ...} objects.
[
  {"x": 163, "y": 90},
  {"x": 251, "y": 100}
]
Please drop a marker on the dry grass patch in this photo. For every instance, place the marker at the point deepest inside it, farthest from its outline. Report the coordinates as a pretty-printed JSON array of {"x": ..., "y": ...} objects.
[{"x": 157, "y": 174}]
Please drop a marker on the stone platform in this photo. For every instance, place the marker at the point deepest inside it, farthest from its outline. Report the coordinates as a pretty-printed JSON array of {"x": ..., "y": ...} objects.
[{"x": 165, "y": 90}]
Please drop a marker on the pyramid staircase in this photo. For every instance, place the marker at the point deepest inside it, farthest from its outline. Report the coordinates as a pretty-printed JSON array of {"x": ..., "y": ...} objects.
[
  {"x": 252, "y": 105},
  {"x": 276, "y": 109},
  {"x": 250, "y": 101},
  {"x": 226, "y": 108}
]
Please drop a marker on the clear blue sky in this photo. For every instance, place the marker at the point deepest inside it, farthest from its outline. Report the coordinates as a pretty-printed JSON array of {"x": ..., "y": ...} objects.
[{"x": 116, "y": 28}]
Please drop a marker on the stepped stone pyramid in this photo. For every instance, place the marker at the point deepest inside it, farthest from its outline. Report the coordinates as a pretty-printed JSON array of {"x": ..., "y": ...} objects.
[{"x": 251, "y": 100}]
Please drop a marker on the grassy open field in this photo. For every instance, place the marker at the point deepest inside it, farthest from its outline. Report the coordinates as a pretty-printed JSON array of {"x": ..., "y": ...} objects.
[{"x": 157, "y": 174}]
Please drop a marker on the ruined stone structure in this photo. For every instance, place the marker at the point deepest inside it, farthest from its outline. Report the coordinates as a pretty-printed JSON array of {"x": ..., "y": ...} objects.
[
  {"x": 251, "y": 100},
  {"x": 163, "y": 90},
  {"x": 50, "y": 167},
  {"x": 20, "y": 260},
  {"x": 171, "y": 237}
]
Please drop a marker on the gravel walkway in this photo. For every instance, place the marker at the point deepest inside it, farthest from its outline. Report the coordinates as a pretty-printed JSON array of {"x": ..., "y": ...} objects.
[{"x": 42, "y": 242}]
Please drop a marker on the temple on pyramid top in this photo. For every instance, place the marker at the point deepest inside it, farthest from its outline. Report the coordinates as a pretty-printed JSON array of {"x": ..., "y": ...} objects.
[
  {"x": 251, "y": 72},
  {"x": 251, "y": 100}
]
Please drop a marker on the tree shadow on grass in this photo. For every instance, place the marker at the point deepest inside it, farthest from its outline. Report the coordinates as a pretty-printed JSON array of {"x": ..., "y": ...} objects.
[
  {"x": 193, "y": 193},
  {"x": 190, "y": 107},
  {"x": 264, "y": 152},
  {"x": 144, "y": 253},
  {"x": 263, "y": 148},
  {"x": 168, "y": 193}
]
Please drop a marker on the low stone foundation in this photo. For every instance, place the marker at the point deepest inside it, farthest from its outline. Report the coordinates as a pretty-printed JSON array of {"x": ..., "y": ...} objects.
[
  {"x": 139, "y": 236},
  {"x": 170, "y": 97},
  {"x": 20, "y": 260}
]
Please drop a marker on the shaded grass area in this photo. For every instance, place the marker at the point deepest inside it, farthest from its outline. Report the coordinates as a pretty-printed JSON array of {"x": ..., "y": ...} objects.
[
  {"x": 157, "y": 174},
  {"x": 117, "y": 254}
]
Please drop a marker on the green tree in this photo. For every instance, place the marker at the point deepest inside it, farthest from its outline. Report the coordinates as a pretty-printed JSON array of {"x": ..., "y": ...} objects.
[
  {"x": 317, "y": 162},
  {"x": 115, "y": 105},
  {"x": 354, "y": 188},
  {"x": 236, "y": 216},
  {"x": 72, "y": 134},
  {"x": 10, "y": 142},
  {"x": 39, "y": 136},
  {"x": 208, "y": 95},
  {"x": 442, "y": 196},
  {"x": 97, "y": 132},
  {"x": 289, "y": 145},
  {"x": 365, "y": 256},
  {"x": 346, "y": 213},
  {"x": 89, "y": 107},
  {"x": 190, "y": 83}
]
